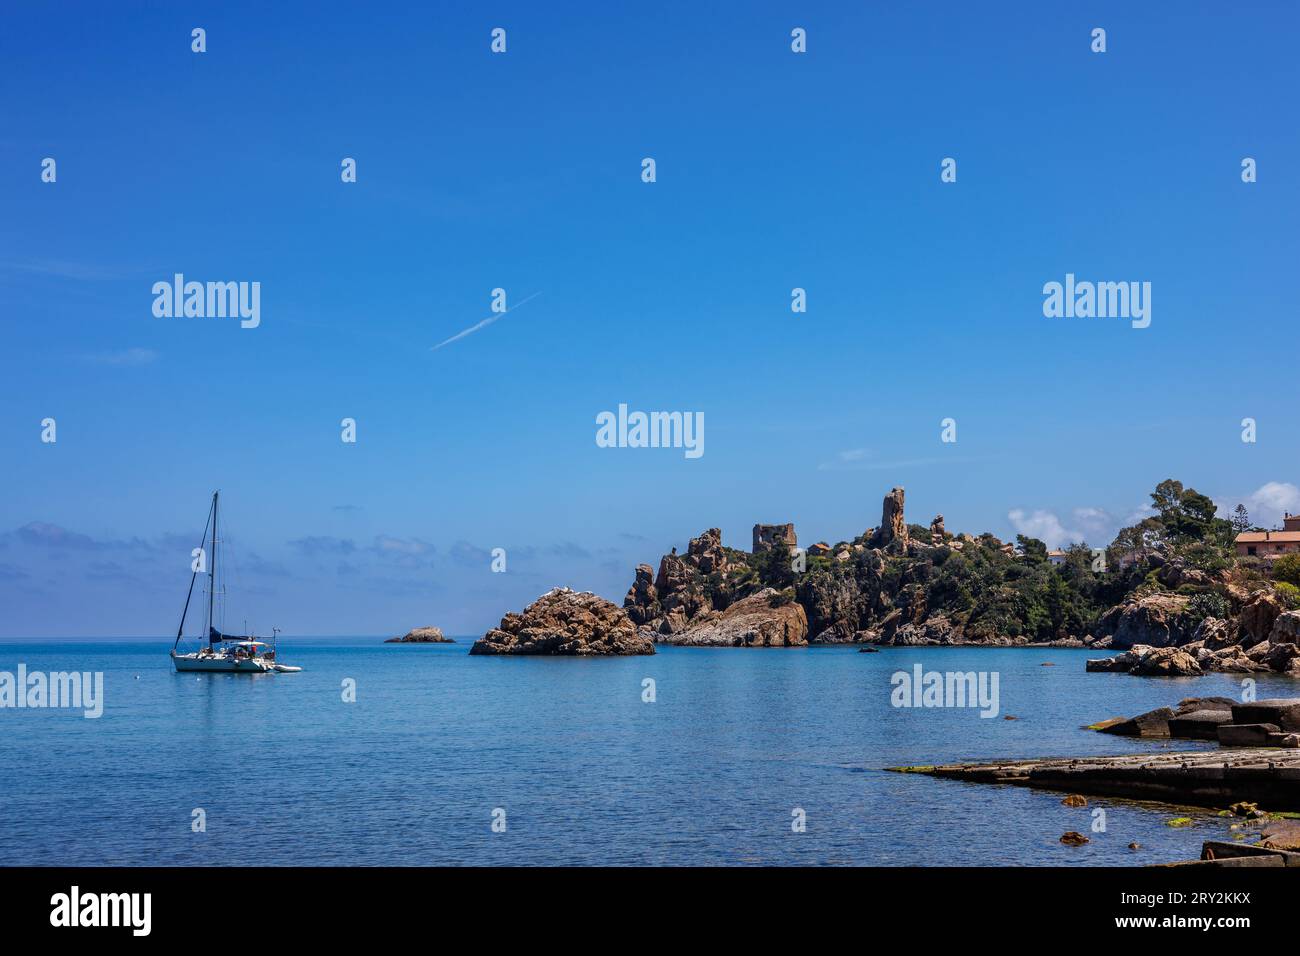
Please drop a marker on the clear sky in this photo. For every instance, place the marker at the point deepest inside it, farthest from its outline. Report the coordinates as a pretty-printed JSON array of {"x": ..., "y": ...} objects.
[{"x": 522, "y": 171}]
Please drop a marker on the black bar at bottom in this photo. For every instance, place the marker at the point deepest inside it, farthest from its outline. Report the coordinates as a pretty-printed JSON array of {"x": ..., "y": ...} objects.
[{"x": 302, "y": 905}]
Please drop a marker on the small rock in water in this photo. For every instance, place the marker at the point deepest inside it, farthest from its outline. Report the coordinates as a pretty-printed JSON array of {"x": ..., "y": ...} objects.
[
  {"x": 1073, "y": 838},
  {"x": 1135, "y": 846},
  {"x": 1244, "y": 809},
  {"x": 1075, "y": 800},
  {"x": 422, "y": 635}
]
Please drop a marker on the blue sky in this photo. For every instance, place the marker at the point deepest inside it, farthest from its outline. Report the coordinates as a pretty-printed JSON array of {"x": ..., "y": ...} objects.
[{"x": 522, "y": 171}]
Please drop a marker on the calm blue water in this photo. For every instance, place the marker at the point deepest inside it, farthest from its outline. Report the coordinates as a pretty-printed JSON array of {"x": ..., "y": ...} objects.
[{"x": 587, "y": 773}]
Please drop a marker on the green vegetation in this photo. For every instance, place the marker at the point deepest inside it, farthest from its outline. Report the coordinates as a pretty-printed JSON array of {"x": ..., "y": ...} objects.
[
  {"x": 1289, "y": 593},
  {"x": 781, "y": 598},
  {"x": 1206, "y": 604},
  {"x": 1287, "y": 570}
]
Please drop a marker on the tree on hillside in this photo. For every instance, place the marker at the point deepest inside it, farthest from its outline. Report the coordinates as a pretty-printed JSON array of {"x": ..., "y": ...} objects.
[
  {"x": 1031, "y": 548},
  {"x": 1240, "y": 520},
  {"x": 773, "y": 565},
  {"x": 1141, "y": 539},
  {"x": 1187, "y": 515}
]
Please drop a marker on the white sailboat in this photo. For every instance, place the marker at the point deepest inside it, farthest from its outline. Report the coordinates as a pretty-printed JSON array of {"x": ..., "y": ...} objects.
[{"x": 222, "y": 653}]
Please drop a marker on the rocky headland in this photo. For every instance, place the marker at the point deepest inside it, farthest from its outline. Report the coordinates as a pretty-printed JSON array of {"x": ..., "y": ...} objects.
[
  {"x": 1169, "y": 593},
  {"x": 1171, "y": 584}
]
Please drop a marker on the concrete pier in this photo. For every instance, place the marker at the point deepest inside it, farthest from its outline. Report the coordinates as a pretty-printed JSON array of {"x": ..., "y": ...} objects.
[{"x": 1209, "y": 778}]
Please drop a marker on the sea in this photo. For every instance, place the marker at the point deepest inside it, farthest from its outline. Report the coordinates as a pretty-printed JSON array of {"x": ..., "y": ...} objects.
[{"x": 389, "y": 754}]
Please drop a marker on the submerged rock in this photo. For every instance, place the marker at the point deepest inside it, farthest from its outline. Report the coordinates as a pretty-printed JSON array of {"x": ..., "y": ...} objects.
[
  {"x": 566, "y": 622},
  {"x": 421, "y": 635}
]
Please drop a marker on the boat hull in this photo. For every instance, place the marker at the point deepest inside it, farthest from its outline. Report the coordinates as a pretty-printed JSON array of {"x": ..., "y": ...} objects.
[{"x": 218, "y": 665}]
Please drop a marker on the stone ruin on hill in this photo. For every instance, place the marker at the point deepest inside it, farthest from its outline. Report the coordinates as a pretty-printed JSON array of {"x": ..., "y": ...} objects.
[{"x": 766, "y": 536}]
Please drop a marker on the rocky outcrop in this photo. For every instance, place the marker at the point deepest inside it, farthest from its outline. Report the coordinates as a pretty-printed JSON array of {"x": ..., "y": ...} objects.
[
  {"x": 1194, "y": 717},
  {"x": 932, "y": 631},
  {"x": 422, "y": 635},
  {"x": 1265, "y": 723},
  {"x": 1286, "y": 629},
  {"x": 1216, "y": 634},
  {"x": 1228, "y": 659},
  {"x": 566, "y": 622},
  {"x": 1257, "y": 618},
  {"x": 1166, "y": 662},
  {"x": 1158, "y": 620},
  {"x": 674, "y": 596},
  {"x": 1154, "y": 723},
  {"x": 893, "y": 526},
  {"x": 765, "y": 619},
  {"x": 642, "y": 601},
  {"x": 937, "y": 533},
  {"x": 1176, "y": 574},
  {"x": 706, "y": 553},
  {"x": 1281, "y": 657},
  {"x": 1264, "y": 636},
  {"x": 837, "y": 604}
]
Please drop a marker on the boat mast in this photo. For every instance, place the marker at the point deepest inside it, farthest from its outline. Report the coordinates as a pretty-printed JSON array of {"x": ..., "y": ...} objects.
[
  {"x": 190, "y": 594},
  {"x": 212, "y": 566}
]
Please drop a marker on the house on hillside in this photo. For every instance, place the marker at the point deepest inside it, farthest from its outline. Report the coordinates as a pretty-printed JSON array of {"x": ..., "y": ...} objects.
[{"x": 1271, "y": 544}]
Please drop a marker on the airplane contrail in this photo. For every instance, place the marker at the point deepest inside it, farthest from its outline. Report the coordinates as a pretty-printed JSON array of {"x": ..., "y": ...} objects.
[{"x": 483, "y": 324}]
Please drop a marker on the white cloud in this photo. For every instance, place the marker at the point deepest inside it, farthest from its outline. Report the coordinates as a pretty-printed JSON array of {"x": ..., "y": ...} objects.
[
  {"x": 1093, "y": 525},
  {"x": 1266, "y": 504}
]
